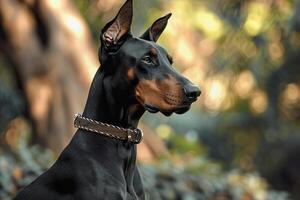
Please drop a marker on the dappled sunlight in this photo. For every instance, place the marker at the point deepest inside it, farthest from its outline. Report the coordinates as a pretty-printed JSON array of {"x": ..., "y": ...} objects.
[
  {"x": 209, "y": 23},
  {"x": 248, "y": 48},
  {"x": 164, "y": 131},
  {"x": 183, "y": 9},
  {"x": 291, "y": 94},
  {"x": 206, "y": 47},
  {"x": 55, "y": 3},
  {"x": 286, "y": 9},
  {"x": 185, "y": 52},
  {"x": 276, "y": 51},
  {"x": 244, "y": 84},
  {"x": 194, "y": 74},
  {"x": 258, "y": 102},
  {"x": 203, "y": 19},
  {"x": 257, "y": 15},
  {"x": 73, "y": 24},
  {"x": 243, "y": 55},
  {"x": 215, "y": 92},
  {"x": 252, "y": 183},
  {"x": 290, "y": 101}
]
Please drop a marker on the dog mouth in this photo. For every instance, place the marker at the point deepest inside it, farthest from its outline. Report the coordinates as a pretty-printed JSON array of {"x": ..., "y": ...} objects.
[
  {"x": 177, "y": 105},
  {"x": 178, "y": 110}
]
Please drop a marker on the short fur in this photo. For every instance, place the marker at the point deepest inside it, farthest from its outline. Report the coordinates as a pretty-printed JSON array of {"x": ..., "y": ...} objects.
[{"x": 135, "y": 75}]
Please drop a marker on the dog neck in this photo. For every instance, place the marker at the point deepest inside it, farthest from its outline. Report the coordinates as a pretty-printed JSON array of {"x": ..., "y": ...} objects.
[{"x": 109, "y": 104}]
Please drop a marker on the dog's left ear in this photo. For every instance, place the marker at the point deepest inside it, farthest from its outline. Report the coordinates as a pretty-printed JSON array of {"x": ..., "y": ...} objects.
[
  {"x": 156, "y": 29},
  {"x": 119, "y": 26}
]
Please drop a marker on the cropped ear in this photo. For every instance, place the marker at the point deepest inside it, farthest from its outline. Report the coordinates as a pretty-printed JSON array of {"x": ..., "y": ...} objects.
[
  {"x": 119, "y": 26},
  {"x": 156, "y": 29}
]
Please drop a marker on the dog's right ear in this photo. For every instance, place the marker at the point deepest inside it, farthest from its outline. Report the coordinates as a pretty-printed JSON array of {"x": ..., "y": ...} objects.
[{"x": 115, "y": 30}]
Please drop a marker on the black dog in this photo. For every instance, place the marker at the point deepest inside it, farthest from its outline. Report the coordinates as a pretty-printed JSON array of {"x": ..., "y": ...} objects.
[{"x": 135, "y": 75}]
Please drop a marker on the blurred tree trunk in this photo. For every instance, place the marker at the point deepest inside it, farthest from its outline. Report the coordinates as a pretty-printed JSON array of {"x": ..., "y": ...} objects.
[{"x": 50, "y": 48}]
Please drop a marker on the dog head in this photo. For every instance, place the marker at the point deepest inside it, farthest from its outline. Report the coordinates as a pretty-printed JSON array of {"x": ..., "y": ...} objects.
[{"x": 142, "y": 66}]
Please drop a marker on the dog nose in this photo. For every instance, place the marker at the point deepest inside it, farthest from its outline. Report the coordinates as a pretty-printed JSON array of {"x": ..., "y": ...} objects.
[{"x": 191, "y": 91}]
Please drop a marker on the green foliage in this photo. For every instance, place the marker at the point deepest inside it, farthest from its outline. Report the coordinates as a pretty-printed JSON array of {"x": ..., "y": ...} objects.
[
  {"x": 166, "y": 180},
  {"x": 245, "y": 57},
  {"x": 190, "y": 178},
  {"x": 179, "y": 144},
  {"x": 20, "y": 168}
]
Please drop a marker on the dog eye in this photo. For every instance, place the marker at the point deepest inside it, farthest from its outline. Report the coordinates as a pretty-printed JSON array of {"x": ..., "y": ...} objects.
[{"x": 147, "y": 60}]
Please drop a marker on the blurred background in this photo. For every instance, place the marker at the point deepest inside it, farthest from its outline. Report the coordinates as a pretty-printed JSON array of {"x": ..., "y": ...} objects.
[{"x": 239, "y": 141}]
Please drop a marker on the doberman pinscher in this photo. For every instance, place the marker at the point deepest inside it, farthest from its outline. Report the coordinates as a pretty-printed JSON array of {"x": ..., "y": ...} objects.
[{"x": 135, "y": 75}]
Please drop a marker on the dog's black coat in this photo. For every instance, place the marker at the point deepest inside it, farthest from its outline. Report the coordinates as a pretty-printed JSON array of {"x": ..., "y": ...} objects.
[{"x": 93, "y": 166}]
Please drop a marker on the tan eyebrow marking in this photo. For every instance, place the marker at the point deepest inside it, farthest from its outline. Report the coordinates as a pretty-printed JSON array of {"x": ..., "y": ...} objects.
[
  {"x": 130, "y": 73},
  {"x": 153, "y": 52}
]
